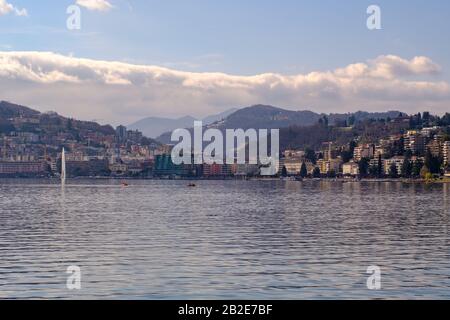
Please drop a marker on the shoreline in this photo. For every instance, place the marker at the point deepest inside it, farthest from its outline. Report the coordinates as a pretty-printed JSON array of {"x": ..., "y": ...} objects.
[{"x": 443, "y": 180}]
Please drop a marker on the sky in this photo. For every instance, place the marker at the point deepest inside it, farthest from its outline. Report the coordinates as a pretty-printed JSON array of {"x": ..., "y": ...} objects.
[{"x": 137, "y": 58}]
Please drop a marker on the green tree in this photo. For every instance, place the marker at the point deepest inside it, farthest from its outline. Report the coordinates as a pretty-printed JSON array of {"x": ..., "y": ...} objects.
[
  {"x": 69, "y": 125},
  {"x": 363, "y": 167},
  {"x": 417, "y": 167},
  {"x": 284, "y": 172},
  {"x": 303, "y": 171},
  {"x": 331, "y": 174},
  {"x": 310, "y": 155},
  {"x": 407, "y": 168},
  {"x": 380, "y": 166},
  {"x": 424, "y": 172},
  {"x": 346, "y": 156},
  {"x": 433, "y": 163},
  {"x": 373, "y": 171},
  {"x": 351, "y": 120},
  {"x": 316, "y": 173},
  {"x": 393, "y": 172},
  {"x": 352, "y": 146}
]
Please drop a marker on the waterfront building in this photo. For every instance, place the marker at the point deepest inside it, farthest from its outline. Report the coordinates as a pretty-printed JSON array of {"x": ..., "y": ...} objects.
[
  {"x": 165, "y": 167},
  {"x": 350, "y": 168},
  {"x": 322, "y": 165},
  {"x": 85, "y": 168},
  {"x": 135, "y": 167},
  {"x": 22, "y": 167},
  {"x": 247, "y": 169},
  {"x": 327, "y": 166},
  {"x": 293, "y": 166},
  {"x": 211, "y": 170},
  {"x": 297, "y": 154},
  {"x": 375, "y": 162},
  {"x": 310, "y": 166},
  {"x": 53, "y": 165},
  {"x": 398, "y": 161},
  {"x": 227, "y": 170},
  {"x": 118, "y": 168},
  {"x": 447, "y": 172},
  {"x": 334, "y": 165}
]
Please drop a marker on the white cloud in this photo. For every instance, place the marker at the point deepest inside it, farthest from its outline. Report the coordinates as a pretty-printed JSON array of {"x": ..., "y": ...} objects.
[
  {"x": 121, "y": 92},
  {"x": 21, "y": 12},
  {"x": 6, "y": 8},
  {"x": 100, "y": 5}
]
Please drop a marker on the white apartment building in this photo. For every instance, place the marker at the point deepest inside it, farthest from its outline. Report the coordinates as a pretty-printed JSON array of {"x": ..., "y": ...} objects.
[
  {"x": 446, "y": 152},
  {"x": 350, "y": 168},
  {"x": 398, "y": 161}
]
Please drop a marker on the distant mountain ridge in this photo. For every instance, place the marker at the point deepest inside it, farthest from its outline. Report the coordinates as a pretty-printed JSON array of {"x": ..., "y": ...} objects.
[
  {"x": 270, "y": 117},
  {"x": 11, "y": 110},
  {"x": 155, "y": 126}
]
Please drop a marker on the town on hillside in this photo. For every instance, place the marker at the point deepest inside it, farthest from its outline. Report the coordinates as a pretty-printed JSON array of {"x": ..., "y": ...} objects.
[{"x": 408, "y": 146}]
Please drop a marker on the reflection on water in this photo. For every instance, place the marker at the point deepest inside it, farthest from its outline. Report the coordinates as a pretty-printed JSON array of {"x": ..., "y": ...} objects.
[{"x": 224, "y": 239}]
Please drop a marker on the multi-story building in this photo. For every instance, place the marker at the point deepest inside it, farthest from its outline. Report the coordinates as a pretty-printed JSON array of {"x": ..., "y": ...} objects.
[
  {"x": 435, "y": 147},
  {"x": 214, "y": 170},
  {"x": 298, "y": 154},
  {"x": 446, "y": 152},
  {"x": 247, "y": 169},
  {"x": 334, "y": 165},
  {"x": 134, "y": 136},
  {"x": 293, "y": 166},
  {"x": 118, "y": 168},
  {"x": 398, "y": 161},
  {"x": 165, "y": 167},
  {"x": 350, "y": 168},
  {"x": 380, "y": 150},
  {"x": 330, "y": 152},
  {"x": 375, "y": 162},
  {"x": 22, "y": 167},
  {"x": 91, "y": 167},
  {"x": 366, "y": 151},
  {"x": 331, "y": 165},
  {"x": 322, "y": 165},
  {"x": 415, "y": 142},
  {"x": 429, "y": 131},
  {"x": 121, "y": 133}
]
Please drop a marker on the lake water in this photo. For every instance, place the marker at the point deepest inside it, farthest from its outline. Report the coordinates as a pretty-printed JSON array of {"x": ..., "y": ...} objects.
[{"x": 224, "y": 239}]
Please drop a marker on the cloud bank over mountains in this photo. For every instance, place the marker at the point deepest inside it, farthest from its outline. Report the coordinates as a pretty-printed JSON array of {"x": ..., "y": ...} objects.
[{"x": 119, "y": 92}]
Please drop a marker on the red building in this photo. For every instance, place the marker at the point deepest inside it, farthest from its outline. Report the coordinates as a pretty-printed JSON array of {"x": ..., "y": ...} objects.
[{"x": 19, "y": 167}]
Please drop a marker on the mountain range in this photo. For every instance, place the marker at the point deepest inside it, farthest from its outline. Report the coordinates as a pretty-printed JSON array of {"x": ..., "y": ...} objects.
[
  {"x": 155, "y": 126},
  {"x": 48, "y": 123},
  {"x": 270, "y": 117},
  {"x": 297, "y": 128}
]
